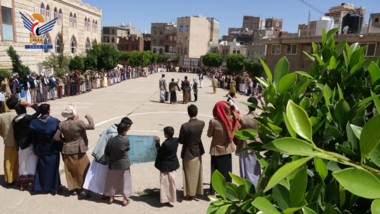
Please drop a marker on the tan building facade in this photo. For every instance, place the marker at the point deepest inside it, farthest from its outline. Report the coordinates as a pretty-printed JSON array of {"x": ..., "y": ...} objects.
[
  {"x": 292, "y": 49},
  {"x": 193, "y": 36},
  {"x": 79, "y": 22},
  {"x": 307, "y": 30}
]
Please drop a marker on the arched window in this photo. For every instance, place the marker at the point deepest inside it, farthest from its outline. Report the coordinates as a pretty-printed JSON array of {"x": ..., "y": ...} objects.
[
  {"x": 60, "y": 15},
  {"x": 75, "y": 20},
  {"x": 48, "y": 12},
  {"x": 160, "y": 50},
  {"x": 87, "y": 45},
  {"x": 55, "y": 13},
  {"x": 71, "y": 19},
  {"x": 88, "y": 24},
  {"x": 154, "y": 42},
  {"x": 161, "y": 42},
  {"x": 57, "y": 48},
  {"x": 234, "y": 52},
  {"x": 154, "y": 50},
  {"x": 238, "y": 52},
  {"x": 85, "y": 23},
  {"x": 93, "y": 25},
  {"x": 96, "y": 25},
  {"x": 180, "y": 29},
  {"x": 42, "y": 10},
  {"x": 187, "y": 28},
  {"x": 73, "y": 46},
  {"x": 46, "y": 41}
]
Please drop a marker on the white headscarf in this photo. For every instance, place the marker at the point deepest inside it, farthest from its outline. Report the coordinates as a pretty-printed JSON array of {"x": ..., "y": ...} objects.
[
  {"x": 70, "y": 111},
  {"x": 195, "y": 80}
]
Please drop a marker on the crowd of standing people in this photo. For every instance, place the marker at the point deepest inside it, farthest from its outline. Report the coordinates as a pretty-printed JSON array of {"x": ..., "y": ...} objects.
[{"x": 34, "y": 143}]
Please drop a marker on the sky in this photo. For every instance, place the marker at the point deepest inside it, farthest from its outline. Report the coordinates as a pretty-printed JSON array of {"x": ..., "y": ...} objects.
[{"x": 141, "y": 13}]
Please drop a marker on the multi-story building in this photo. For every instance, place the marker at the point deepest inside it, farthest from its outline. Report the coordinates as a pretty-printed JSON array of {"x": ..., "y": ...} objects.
[
  {"x": 293, "y": 48},
  {"x": 130, "y": 43},
  {"x": 147, "y": 41},
  {"x": 113, "y": 34},
  {"x": 158, "y": 38},
  {"x": 214, "y": 31},
  {"x": 374, "y": 23},
  {"x": 275, "y": 25},
  {"x": 253, "y": 23},
  {"x": 193, "y": 36},
  {"x": 307, "y": 30},
  {"x": 79, "y": 22},
  {"x": 338, "y": 12}
]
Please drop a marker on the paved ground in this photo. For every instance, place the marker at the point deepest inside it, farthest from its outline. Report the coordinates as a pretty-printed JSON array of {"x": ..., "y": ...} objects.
[{"x": 137, "y": 98}]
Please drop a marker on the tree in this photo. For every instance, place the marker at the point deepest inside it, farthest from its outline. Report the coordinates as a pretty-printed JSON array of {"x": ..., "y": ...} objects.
[
  {"x": 77, "y": 63},
  {"x": 319, "y": 135},
  {"x": 162, "y": 58},
  {"x": 253, "y": 68},
  {"x": 212, "y": 60},
  {"x": 176, "y": 59},
  {"x": 17, "y": 65},
  {"x": 235, "y": 62},
  {"x": 139, "y": 59},
  {"x": 5, "y": 72},
  {"x": 106, "y": 57}
]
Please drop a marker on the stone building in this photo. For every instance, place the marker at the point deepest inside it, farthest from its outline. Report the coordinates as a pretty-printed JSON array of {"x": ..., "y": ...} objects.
[
  {"x": 130, "y": 43},
  {"x": 307, "y": 30},
  {"x": 113, "y": 34},
  {"x": 293, "y": 49},
  {"x": 158, "y": 37},
  {"x": 214, "y": 31},
  {"x": 275, "y": 25},
  {"x": 147, "y": 41},
  {"x": 337, "y": 12},
  {"x": 79, "y": 22},
  {"x": 374, "y": 23}
]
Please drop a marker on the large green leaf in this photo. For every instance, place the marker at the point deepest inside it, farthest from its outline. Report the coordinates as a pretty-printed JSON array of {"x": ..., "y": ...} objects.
[
  {"x": 291, "y": 146},
  {"x": 321, "y": 168},
  {"x": 357, "y": 130},
  {"x": 375, "y": 156},
  {"x": 291, "y": 210},
  {"x": 324, "y": 36},
  {"x": 341, "y": 110},
  {"x": 281, "y": 196},
  {"x": 263, "y": 82},
  {"x": 370, "y": 136},
  {"x": 305, "y": 74},
  {"x": 287, "y": 82},
  {"x": 298, "y": 187},
  {"x": 374, "y": 71},
  {"x": 251, "y": 105},
  {"x": 237, "y": 179},
  {"x": 307, "y": 210},
  {"x": 376, "y": 101},
  {"x": 267, "y": 71},
  {"x": 359, "y": 182},
  {"x": 231, "y": 193},
  {"x": 242, "y": 193},
  {"x": 333, "y": 63},
  {"x": 223, "y": 209},
  {"x": 219, "y": 183},
  {"x": 246, "y": 134},
  {"x": 265, "y": 206},
  {"x": 375, "y": 206},
  {"x": 284, "y": 171},
  {"x": 339, "y": 47},
  {"x": 299, "y": 120},
  {"x": 281, "y": 69},
  {"x": 289, "y": 127}
]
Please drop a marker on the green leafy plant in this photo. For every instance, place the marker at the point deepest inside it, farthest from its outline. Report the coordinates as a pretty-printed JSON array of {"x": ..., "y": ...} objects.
[
  {"x": 320, "y": 138},
  {"x": 77, "y": 63},
  {"x": 17, "y": 65},
  {"x": 5, "y": 72},
  {"x": 212, "y": 60},
  {"x": 235, "y": 62}
]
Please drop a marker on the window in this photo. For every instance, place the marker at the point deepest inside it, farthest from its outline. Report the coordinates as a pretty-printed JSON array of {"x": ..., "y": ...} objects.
[
  {"x": 269, "y": 24},
  {"x": 161, "y": 42},
  {"x": 71, "y": 18},
  {"x": 112, "y": 39},
  {"x": 161, "y": 32},
  {"x": 57, "y": 49},
  {"x": 276, "y": 49},
  {"x": 88, "y": 24},
  {"x": 48, "y": 12},
  {"x": 46, "y": 41},
  {"x": 185, "y": 51},
  {"x": 7, "y": 31},
  {"x": 238, "y": 52},
  {"x": 85, "y": 23},
  {"x": 75, "y": 20},
  {"x": 87, "y": 45},
  {"x": 55, "y": 13},
  {"x": 377, "y": 20},
  {"x": 93, "y": 25},
  {"x": 371, "y": 50},
  {"x": 277, "y": 24},
  {"x": 170, "y": 49},
  {"x": 155, "y": 32},
  {"x": 113, "y": 31},
  {"x": 234, "y": 52},
  {"x": 160, "y": 50},
  {"x": 291, "y": 49},
  {"x": 60, "y": 15},
  {"x": 154, "y": 50},
  {"x": 96, "y": 25},
  {"x": 178, "y": 50},
  {"x": 73, "y": 46},
  {"x": 187, "y": 28},
  {"x": 42, "y": 10},
  {"x": 180, "y": 29}
]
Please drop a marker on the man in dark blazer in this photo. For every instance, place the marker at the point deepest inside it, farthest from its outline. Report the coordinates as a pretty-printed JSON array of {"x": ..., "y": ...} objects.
[{"x": 192, "y": 151}]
